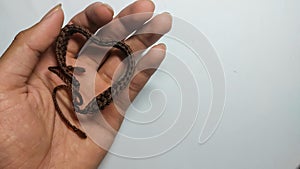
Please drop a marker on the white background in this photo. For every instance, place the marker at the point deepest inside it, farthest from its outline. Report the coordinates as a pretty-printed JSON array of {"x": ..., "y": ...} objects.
[{"x": 258, "y": 42}]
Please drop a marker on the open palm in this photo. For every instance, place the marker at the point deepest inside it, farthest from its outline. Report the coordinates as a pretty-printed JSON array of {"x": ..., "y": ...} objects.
[{"x": 32, "y": 135}]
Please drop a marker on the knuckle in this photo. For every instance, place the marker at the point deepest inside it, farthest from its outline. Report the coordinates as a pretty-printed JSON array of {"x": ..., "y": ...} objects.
[
  {"x": 106, "y": 77},
  {"x": 20, "y": 36},
  {"x": 138, "y": 82},
  {"x": 135, "y": 87}
]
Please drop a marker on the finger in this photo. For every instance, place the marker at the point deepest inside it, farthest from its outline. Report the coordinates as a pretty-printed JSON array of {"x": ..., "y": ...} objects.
[
  {"x": 20, "y": 59},
  {"x": 99, "y": 14},
  {"x": 145, "y": 69},
  {"x": 128, "y": 20},
  {"x": 150, "y": 32},
  {"x": 114, "y": 114},
  {"x": 92, "y": 18},
  {"x": 144, "y": 38}
]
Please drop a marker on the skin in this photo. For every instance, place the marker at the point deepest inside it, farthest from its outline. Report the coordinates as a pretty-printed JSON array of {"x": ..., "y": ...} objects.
[{"x": 32, "y": 135}]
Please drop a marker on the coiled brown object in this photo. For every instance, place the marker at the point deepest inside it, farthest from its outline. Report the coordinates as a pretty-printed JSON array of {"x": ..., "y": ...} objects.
[{"x": 65, "y": 72}]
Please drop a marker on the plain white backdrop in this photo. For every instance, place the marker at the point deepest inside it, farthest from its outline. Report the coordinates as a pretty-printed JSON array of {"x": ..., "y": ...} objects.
[{"x": 258, "y": 43}]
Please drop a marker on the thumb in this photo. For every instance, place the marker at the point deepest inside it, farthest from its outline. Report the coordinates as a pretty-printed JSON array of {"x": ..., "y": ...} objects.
[{"x": 20, "y": 59}]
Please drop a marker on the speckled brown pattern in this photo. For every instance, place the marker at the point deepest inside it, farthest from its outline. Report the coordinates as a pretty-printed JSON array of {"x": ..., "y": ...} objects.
[{"x": 72, "y": 84}]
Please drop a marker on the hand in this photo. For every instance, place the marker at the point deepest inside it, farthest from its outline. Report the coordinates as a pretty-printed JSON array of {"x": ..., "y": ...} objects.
[{"x": 32, "y": 135}]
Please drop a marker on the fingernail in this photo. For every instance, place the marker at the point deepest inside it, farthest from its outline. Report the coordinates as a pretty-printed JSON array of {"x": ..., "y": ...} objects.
[
  {"x": 52, "y": 11},
  {"x": 164, "y": 46},
  {"x": 168, "y": 13},
  {"x": 109, "y": 7}
]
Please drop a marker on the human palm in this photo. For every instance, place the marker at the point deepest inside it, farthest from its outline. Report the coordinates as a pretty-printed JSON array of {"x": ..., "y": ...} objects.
[{"x": 32, "y": 135}]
